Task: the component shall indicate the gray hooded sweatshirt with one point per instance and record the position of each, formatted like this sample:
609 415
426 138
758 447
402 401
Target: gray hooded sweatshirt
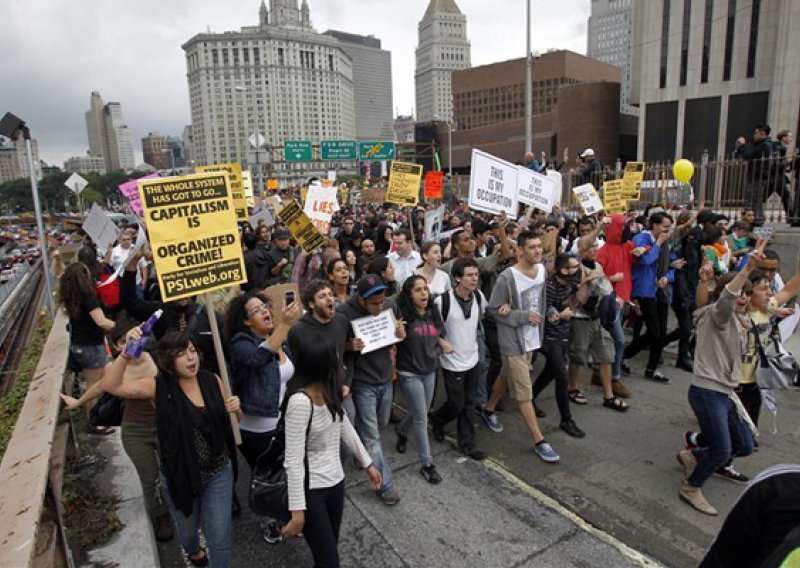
510 328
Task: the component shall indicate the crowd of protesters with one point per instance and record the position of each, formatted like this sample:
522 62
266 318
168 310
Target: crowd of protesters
474 308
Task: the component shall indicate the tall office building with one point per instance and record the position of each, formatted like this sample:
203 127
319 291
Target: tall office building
109 136
14 160
372 84
442 48
186 138
708 72
610 39
280 76
85 164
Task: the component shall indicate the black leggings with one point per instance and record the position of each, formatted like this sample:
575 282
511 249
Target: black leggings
324 508
253 445
555 368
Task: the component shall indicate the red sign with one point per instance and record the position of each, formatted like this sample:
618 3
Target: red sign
433 185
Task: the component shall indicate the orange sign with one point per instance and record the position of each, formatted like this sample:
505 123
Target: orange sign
433 185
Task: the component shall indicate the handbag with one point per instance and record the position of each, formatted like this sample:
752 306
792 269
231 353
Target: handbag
269 485
777 368
108 411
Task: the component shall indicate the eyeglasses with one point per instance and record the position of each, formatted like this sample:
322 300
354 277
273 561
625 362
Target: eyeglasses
264 307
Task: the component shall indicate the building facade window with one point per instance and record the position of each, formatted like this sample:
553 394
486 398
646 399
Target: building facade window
662 76
687 23
730 30
751 49
709 13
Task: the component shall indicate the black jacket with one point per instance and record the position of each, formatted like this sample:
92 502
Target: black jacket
755 154
374 368
256 264
309 330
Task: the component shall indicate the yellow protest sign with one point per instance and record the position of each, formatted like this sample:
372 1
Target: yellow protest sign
404 182
612 195
193 234
247 186
301 227
304 193
237 186
632 180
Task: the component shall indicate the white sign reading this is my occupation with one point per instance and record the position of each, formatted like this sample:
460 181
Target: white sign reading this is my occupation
536 189
376 331
492 184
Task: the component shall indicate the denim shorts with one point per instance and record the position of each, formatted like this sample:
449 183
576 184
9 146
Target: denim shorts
89 356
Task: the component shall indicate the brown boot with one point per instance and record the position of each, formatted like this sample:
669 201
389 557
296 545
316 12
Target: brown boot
620 389
162 525
694 497
688 461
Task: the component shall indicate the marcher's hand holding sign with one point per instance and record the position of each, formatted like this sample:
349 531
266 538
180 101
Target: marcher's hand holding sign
400 330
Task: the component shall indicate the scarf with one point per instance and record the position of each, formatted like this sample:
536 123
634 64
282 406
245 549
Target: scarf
174 426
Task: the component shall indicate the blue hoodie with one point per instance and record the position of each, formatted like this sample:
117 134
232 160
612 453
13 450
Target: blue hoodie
644 272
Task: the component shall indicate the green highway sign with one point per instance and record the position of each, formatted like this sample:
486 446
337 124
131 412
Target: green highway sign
297 150
375 151
338 149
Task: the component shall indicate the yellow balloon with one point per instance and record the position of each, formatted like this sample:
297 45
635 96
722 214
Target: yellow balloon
683 170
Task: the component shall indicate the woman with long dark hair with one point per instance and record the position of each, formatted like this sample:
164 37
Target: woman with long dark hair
339 278
383 268
88 325
417 362
195 442
314 404
384 237
260 370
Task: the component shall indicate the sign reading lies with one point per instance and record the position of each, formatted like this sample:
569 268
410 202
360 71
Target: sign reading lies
493 184
193 234
236 186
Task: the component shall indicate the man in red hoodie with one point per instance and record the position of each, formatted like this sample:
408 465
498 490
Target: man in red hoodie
615 258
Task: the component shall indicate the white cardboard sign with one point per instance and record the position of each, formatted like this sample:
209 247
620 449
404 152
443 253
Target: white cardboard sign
376 331
536 189
492 184
587 198
100 228
433 223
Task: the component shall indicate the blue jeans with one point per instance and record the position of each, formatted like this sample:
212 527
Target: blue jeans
418 390
373 407
214 504
726 435
618 335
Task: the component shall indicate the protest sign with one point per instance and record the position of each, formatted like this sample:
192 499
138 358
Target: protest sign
558 188
374 195
130 190
263 214
376 331
433 223
301 227
247 186
433 185
587 198
273 202
321 203
236 186
612 196
404 181
535 189
276 297
632 181
493 184
193 234
100 228
272 184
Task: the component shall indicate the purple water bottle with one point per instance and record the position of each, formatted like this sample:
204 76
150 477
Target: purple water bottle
133 350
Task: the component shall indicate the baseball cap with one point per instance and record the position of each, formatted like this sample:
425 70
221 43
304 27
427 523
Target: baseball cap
370 285
586 153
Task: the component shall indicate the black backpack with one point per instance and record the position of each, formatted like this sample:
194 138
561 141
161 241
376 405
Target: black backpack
446 303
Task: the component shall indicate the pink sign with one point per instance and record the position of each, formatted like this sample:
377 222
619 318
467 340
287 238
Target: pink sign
130 189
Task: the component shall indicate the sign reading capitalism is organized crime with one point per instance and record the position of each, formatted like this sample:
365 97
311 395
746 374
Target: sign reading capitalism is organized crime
193 234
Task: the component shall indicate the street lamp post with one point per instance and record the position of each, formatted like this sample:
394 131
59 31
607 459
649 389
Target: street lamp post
12 127
528 85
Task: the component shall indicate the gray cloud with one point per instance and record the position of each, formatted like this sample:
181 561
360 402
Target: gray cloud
56 52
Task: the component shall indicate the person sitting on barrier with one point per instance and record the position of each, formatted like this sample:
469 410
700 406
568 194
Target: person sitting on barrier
138 431
88 325
195 442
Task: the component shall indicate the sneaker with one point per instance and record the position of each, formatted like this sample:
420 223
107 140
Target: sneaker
688 461
437 429
271 532
390 497
402 444
546 452
572 429
474 453
694 497
492 421
620 389
732 475
656 376
690 439
430 474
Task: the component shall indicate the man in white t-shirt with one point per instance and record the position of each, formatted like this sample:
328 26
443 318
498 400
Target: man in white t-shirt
517 304
461 309
404 259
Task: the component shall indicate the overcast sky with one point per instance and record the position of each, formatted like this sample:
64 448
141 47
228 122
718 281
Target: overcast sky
54 53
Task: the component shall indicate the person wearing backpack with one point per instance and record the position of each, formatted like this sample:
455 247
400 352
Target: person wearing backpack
590 342
313 463
107 289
